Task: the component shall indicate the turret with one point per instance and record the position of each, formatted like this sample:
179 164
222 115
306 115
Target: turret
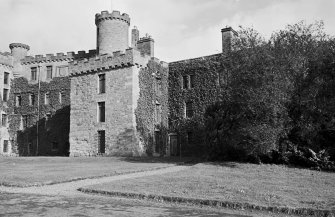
227 36
18 50
112 32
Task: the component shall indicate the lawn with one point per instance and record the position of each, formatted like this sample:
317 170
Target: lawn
25 171
263 185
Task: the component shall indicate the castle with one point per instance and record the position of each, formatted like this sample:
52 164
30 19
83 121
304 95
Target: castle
114 100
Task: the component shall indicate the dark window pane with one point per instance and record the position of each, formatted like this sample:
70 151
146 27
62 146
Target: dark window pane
49 72
101 113
5 146
33 73
6 78
101 141
192 80
189 109
102 83
5 95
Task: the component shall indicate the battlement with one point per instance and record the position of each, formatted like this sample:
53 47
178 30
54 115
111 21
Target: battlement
118 60
69 56
105 15
6 59
20 45
145 39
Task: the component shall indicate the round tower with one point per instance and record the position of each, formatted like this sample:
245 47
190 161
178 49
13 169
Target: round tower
112 32
18 50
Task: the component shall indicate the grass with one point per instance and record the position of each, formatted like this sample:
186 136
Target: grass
27 171
260 185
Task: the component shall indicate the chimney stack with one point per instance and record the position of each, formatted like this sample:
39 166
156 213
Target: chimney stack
227 35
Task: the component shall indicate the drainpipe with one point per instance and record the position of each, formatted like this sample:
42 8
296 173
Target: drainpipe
38 108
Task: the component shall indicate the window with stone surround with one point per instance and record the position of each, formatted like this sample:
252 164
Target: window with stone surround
102 83
47 98
4 120
101 111
188 109
33 74
31 99
5 95
5 146
24 121
6 78
188 81
18 100
49 72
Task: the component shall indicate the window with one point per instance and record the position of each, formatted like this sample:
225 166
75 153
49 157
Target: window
192 80
31 99
101 111
18 100
6 78
188 81
54 146
47 98
4 120
33 73
102 83
49 72
25 121
61 97
101 141
5 146
185 82
188 109
5 95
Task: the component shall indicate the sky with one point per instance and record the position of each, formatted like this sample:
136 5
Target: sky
181 29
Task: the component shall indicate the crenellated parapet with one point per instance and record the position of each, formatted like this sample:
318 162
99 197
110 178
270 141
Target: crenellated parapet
6 59
69 56
115 15
19 45
117 60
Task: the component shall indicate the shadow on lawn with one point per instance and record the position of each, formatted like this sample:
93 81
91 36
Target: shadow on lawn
172 160
223 164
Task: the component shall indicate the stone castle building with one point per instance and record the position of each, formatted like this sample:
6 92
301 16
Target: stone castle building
117 99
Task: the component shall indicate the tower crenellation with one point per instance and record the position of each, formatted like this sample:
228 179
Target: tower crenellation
112 31
19 50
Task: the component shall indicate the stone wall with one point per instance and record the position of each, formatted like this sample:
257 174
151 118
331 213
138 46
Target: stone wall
119 125
6 66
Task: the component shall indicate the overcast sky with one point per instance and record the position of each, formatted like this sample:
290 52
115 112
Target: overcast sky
181 28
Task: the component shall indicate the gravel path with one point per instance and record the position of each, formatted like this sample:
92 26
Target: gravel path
70 188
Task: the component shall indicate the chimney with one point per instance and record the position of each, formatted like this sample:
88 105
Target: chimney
146 46
135 36
227 35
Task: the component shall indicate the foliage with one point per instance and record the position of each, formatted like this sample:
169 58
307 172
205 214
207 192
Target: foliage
149 78
281 88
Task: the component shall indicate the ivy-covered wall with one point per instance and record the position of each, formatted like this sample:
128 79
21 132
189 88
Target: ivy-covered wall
53 117
206 90
152 108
